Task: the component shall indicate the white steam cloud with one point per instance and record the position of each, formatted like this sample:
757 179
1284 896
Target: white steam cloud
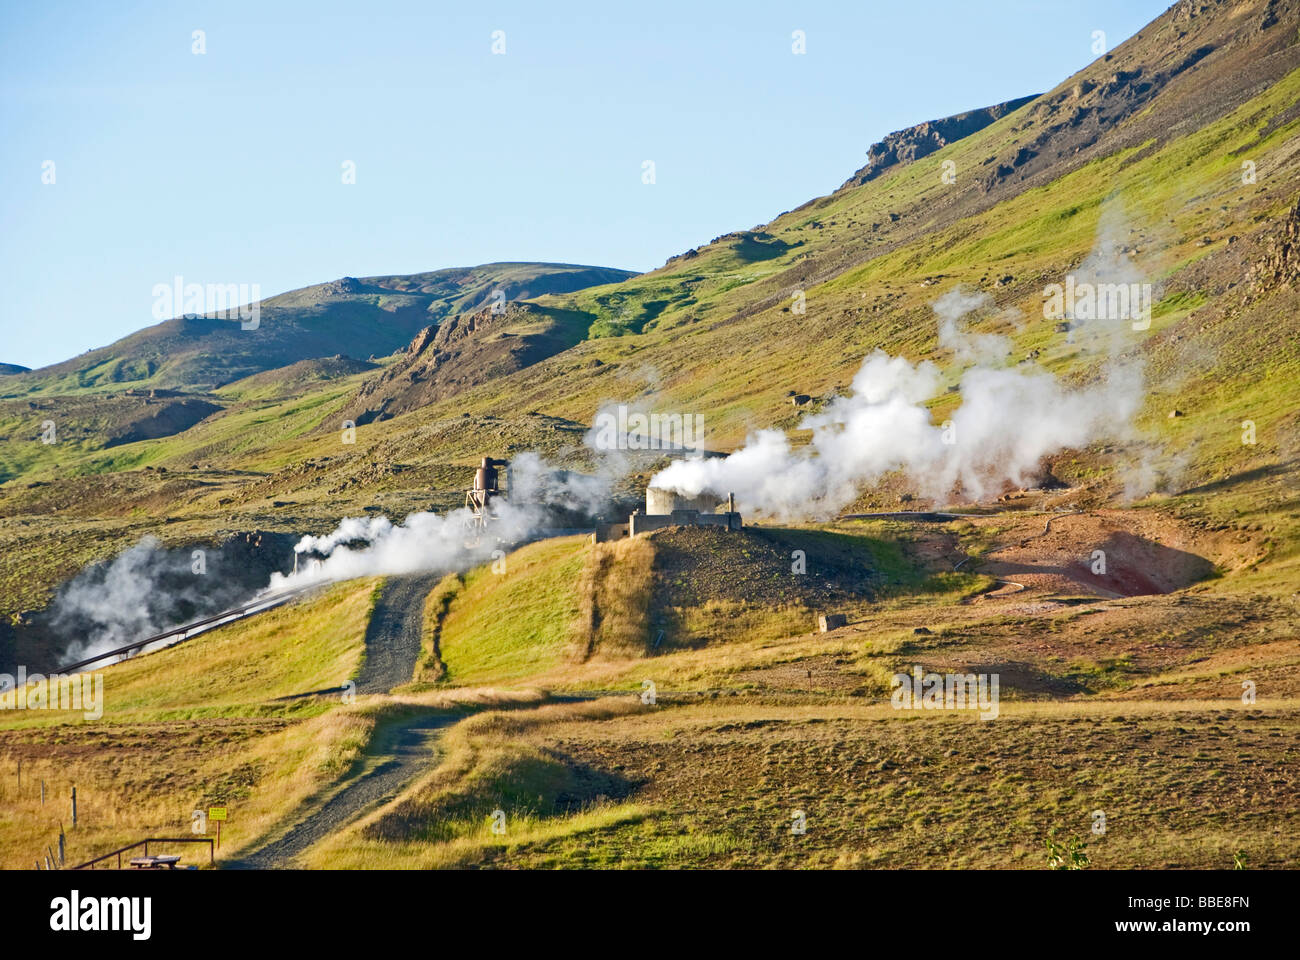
148 589
112 603
968 347
432 543
1009 421
144 590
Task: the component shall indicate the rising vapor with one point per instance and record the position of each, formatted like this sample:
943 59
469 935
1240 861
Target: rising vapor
442 543
1010 419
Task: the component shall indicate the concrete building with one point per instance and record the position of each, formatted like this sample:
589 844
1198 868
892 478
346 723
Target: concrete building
660 503
664 508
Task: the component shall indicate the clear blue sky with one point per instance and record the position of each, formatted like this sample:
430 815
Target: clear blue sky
226 167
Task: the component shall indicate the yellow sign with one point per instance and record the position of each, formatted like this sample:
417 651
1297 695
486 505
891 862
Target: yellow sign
216 813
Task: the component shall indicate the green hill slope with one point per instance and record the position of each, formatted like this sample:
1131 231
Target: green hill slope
355 317
1178 148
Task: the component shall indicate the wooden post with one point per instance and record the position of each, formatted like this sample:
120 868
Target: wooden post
61 847
42 793
74 808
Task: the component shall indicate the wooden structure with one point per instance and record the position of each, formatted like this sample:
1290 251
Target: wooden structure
160 861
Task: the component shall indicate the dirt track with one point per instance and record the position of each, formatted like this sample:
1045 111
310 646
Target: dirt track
393 636
407 749
400 752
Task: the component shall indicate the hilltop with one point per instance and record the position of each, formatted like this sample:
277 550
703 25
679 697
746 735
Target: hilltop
360 318
907 146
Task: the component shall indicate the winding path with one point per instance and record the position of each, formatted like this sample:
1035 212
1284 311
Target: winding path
408 749
399 752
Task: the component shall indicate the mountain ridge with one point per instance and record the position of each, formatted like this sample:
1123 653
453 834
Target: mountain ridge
915 142
361 318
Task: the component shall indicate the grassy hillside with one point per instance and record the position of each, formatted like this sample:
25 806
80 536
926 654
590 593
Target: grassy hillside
569 614
716 785
199 724
759 719
513 622
1164 691
750 726
725 302
870 259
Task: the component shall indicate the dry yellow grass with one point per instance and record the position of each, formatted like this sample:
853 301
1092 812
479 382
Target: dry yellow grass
489 762
614 593
194 726
145 780
721 775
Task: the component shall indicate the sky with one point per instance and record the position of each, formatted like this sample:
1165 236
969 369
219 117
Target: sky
228 165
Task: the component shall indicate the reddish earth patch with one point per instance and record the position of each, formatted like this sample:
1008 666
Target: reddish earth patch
1132 553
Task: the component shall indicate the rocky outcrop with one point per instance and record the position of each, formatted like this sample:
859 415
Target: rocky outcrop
464 350
1280 264
906 146
165 419
341 287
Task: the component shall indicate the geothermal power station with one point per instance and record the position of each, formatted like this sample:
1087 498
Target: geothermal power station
665 508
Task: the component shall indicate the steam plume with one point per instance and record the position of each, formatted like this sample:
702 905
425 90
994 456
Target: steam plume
143 590
1009 420
432 543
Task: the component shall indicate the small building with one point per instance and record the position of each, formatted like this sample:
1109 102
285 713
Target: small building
659 502
665 508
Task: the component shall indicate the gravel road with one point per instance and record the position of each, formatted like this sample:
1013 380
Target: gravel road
393 636
409 749
400 753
